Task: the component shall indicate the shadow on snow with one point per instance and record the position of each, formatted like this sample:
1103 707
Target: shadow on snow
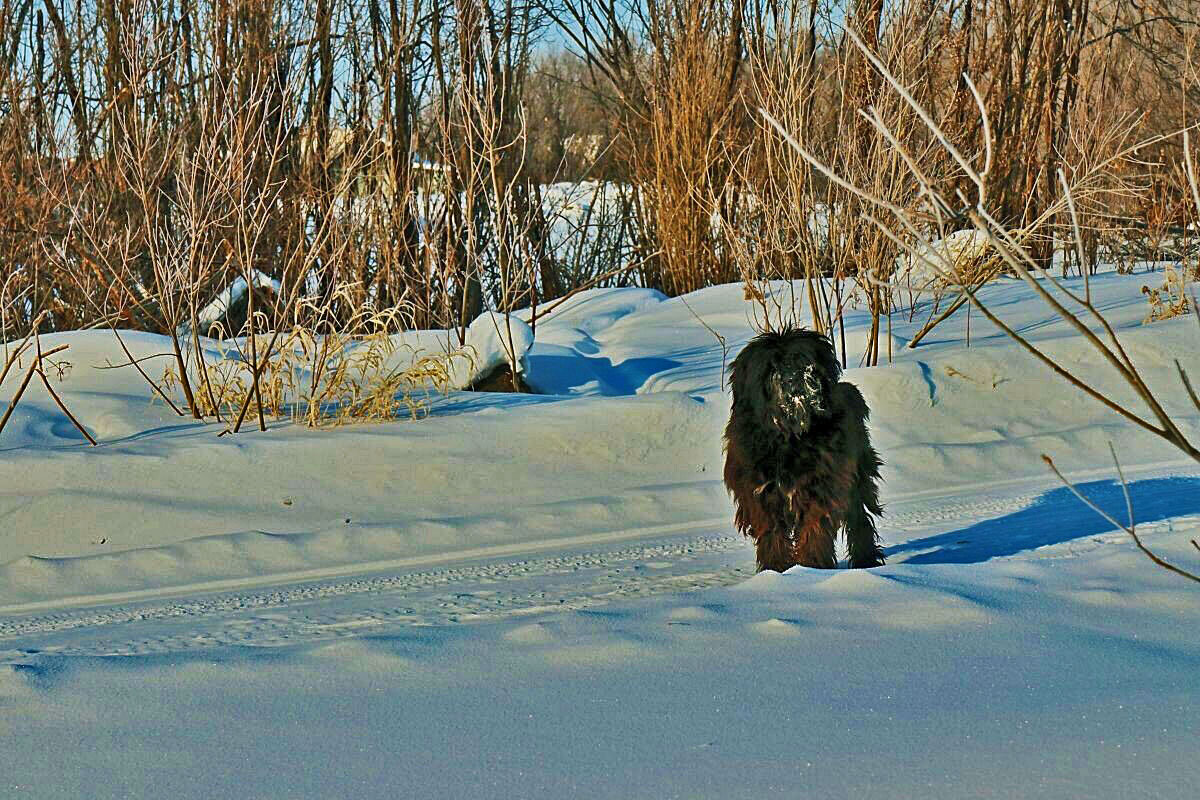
1057 516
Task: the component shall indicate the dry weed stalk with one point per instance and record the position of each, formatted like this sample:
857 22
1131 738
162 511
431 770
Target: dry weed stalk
1169 300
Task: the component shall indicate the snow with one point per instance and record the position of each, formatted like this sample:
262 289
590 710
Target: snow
542 595
494 340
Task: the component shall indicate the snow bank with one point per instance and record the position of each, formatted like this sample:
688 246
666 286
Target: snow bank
636 400
493 340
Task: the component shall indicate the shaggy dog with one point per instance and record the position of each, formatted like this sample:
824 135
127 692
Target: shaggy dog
798 460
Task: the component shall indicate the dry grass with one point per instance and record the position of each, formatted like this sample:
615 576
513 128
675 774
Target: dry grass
324 374
1169 300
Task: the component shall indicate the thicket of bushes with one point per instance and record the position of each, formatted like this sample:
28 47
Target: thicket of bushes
397 152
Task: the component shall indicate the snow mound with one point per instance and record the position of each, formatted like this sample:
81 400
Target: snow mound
493 340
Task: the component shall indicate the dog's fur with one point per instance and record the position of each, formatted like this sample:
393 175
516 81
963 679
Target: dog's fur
798 459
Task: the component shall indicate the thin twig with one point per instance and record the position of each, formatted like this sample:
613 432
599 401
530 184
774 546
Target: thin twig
1190 169
13 357
15 354
987 125
720 339
110 365
1083 270
1187 384
63 407
134 363
16 398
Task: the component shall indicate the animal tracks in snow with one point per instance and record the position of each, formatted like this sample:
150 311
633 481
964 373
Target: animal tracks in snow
575 575
331 609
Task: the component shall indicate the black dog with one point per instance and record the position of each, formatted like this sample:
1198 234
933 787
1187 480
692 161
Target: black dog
798 460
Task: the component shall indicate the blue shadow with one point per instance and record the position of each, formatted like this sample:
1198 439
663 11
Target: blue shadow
562 374
1057 516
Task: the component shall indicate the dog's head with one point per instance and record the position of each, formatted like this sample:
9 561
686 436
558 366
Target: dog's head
785 379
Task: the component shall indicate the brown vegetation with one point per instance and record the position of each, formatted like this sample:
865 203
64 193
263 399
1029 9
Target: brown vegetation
395 153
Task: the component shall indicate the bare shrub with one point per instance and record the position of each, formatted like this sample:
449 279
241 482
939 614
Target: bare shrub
803 226
433 127
674 69
911 231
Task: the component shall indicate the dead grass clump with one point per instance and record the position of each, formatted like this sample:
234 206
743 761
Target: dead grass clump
322 373
1169 300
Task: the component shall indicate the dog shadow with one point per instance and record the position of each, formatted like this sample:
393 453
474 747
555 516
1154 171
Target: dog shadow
1056 516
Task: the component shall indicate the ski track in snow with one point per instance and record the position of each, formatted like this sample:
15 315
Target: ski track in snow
290 614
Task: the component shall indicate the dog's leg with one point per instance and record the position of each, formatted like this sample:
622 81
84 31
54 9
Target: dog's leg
760 511
862 492
773 550
769 523
814 545
862 539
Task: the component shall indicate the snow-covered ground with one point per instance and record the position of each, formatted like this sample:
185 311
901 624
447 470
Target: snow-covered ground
542 595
